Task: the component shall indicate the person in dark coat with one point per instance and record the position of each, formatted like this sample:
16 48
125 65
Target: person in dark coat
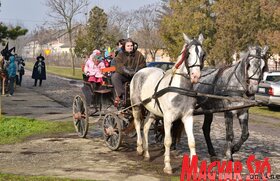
128 62
39 70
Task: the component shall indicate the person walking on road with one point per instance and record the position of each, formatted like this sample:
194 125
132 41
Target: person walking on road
12 74
20 65
39 70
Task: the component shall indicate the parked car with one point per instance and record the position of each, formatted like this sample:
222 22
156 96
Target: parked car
163 65
269 89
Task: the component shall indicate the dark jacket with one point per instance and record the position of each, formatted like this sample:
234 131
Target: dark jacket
39 70
129 63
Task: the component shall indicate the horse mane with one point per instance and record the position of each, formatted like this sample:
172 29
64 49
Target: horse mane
181 57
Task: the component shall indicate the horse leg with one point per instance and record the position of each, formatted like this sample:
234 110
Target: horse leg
229 134
208 119
136 111
188 124
243 118
146 136
167 143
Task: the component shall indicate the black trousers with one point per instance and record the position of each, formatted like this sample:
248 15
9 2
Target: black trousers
40 82
20 79
118 81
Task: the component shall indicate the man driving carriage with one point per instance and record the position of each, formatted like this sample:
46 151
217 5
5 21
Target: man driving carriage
128 62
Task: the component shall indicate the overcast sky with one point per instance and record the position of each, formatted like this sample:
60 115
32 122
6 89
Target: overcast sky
29 13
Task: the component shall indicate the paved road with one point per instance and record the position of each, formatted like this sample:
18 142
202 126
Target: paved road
53 101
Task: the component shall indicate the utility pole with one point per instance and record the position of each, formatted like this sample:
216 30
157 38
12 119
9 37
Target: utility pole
127 32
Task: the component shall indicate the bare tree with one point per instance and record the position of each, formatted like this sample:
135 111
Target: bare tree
148 35
121 21
64 11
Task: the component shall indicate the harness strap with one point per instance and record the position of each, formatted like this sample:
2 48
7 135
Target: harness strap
155 91
178 90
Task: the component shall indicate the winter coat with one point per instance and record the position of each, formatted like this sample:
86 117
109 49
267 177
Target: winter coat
94 70
39 70
12 70
129 63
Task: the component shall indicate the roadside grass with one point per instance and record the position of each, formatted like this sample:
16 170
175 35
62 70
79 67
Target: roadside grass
17 129
264 111
12 177
57 70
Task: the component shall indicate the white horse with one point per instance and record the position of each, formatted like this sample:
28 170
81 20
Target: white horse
170 105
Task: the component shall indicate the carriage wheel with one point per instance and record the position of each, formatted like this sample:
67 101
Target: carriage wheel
80 116
112 131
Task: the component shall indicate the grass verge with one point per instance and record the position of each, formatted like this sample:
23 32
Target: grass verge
264 111
17 129
61 71
11 177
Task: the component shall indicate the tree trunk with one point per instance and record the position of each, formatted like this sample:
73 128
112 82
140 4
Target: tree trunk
71 51
153 54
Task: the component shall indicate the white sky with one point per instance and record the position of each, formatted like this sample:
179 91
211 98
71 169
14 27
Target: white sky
30 13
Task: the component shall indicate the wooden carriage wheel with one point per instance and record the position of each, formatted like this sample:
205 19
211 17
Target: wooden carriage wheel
80 116
112 131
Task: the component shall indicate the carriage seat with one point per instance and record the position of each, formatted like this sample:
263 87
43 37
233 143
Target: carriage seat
103 88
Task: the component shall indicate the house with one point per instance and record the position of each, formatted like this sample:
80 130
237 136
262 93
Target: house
50 43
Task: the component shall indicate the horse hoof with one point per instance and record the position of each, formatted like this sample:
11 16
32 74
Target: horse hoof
214 158
147 159
140 151
167 171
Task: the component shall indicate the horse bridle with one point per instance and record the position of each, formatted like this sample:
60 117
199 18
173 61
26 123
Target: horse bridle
200 58
185 55
248 78
258 69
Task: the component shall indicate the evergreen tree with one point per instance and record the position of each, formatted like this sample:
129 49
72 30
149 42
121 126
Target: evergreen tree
95 35
269 33
186 16
228 26
10 33
237 22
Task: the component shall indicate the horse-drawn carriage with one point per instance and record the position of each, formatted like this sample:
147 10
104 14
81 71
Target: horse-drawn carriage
171 96
117 119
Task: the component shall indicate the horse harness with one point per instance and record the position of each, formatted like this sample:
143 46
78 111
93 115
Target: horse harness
244 93
184 58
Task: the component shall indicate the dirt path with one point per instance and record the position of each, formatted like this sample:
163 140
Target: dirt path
73 157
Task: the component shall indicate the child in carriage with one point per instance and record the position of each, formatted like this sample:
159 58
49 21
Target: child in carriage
93 68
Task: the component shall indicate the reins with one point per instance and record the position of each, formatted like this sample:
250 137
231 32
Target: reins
190 93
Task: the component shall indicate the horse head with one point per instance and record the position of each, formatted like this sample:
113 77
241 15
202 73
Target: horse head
255 66
193 57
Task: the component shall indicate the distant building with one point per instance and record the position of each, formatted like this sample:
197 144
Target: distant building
57 45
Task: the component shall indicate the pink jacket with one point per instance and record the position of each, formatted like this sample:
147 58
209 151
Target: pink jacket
93 70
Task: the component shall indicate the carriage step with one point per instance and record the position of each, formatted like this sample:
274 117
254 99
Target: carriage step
104 91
